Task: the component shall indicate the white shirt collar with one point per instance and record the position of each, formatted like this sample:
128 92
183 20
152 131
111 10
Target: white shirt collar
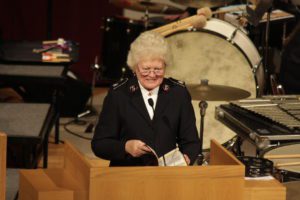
153 94
149 93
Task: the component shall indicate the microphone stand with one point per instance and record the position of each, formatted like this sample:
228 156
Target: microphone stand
202 105
90 109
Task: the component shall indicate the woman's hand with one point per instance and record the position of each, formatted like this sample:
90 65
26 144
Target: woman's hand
187 159
136 148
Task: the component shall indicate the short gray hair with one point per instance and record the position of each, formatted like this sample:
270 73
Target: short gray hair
149 45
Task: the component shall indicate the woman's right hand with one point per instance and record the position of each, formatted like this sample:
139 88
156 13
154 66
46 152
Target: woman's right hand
136 148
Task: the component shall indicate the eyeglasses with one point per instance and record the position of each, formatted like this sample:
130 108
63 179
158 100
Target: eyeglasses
147 71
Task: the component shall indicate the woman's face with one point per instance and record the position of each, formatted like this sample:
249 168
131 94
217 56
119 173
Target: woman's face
150 73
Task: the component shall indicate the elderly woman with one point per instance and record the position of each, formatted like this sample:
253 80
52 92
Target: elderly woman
147 110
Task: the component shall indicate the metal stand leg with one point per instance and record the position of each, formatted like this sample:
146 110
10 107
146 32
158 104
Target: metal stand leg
90 109
56 104
266 52
238 147
202 105
45 153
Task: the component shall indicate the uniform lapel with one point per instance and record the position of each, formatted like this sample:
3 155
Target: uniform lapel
138 101
162 100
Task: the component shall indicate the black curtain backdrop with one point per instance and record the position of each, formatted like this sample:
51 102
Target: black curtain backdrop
76 20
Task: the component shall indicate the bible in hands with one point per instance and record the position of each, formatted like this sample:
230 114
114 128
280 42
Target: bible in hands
172 158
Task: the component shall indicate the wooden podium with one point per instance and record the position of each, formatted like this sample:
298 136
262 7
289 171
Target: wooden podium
80 179
3 143
198 182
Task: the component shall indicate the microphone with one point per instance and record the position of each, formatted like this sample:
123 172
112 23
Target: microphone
151 103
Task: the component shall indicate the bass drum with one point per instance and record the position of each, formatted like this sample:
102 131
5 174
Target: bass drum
288 172
208 54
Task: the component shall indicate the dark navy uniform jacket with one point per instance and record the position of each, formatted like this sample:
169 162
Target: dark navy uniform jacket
124 117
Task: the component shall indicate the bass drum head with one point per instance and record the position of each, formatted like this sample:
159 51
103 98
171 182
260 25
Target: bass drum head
208 55
288 172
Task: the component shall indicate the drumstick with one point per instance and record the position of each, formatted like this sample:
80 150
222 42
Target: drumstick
175 29
196 21
50 42
179 25
287 164
282 156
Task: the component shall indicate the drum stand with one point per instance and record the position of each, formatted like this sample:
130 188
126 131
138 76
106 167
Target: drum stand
254 18
202 105
266 51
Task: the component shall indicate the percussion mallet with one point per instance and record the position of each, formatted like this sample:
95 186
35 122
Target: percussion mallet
195 21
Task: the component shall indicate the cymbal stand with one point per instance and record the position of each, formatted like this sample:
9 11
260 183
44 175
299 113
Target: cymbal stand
202 105
146 17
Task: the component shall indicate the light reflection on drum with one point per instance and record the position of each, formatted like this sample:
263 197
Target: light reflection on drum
206 54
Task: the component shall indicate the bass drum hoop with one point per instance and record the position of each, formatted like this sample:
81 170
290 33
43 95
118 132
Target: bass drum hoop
247 48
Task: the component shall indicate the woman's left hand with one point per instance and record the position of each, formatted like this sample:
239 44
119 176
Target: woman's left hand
187 159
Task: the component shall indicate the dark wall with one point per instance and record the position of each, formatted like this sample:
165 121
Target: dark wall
77 20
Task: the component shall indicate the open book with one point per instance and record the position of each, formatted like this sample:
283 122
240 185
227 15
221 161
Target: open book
172 158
